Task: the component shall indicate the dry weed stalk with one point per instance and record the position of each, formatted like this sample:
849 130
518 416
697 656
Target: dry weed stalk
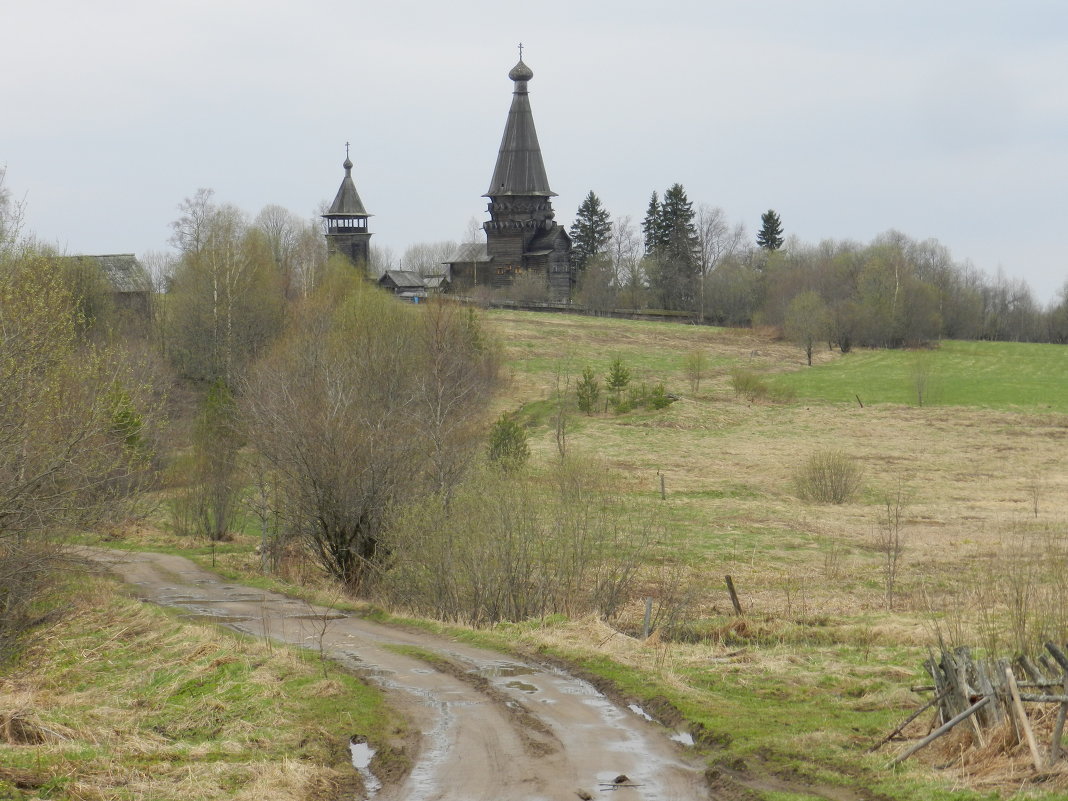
890 541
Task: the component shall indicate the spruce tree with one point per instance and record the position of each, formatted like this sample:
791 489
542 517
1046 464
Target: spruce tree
770 235
588 391
590 231
674 272
677 224
653 227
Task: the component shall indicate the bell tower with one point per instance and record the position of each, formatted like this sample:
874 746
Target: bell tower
346 222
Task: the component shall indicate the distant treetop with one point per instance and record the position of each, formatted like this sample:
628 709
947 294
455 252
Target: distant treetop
770 235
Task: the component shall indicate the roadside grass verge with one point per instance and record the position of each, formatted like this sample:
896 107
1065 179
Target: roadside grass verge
123 700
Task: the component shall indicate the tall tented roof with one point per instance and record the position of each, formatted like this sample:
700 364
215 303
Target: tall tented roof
347 203
520 169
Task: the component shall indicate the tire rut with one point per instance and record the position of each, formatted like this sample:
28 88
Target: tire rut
482 733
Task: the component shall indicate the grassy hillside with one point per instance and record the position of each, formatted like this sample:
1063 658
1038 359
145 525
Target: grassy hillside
823 662
821 665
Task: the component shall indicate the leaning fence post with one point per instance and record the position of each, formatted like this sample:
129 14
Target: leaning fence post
1025 724
734 596
648 618
1058 727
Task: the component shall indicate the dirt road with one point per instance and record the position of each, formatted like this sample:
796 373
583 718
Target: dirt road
492 729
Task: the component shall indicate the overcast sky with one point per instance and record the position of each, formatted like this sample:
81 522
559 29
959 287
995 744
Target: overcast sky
941 118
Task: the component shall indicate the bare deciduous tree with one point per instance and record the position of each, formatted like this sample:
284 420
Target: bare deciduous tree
365 403
190 229
716 241
283 231
427 258
625 251
12 215
226 302
455 373
806 322
890 540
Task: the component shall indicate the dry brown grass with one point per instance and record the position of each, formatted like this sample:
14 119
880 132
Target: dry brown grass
87 709
969 475
810 574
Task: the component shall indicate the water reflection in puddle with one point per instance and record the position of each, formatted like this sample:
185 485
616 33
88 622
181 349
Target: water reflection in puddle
637 710
683 737
362 754
505 671
522 686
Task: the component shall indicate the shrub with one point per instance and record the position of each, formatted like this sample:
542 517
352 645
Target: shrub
508 444
748 383
828 477
754 387
696 366
588 391
659 398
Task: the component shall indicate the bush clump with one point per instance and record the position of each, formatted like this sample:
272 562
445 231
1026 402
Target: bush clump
508 446
828 477
753 387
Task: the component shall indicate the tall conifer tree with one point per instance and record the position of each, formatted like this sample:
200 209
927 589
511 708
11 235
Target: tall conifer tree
673 268
653 226
590 232
770 235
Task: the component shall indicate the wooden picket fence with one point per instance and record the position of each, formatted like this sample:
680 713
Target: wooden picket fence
984 694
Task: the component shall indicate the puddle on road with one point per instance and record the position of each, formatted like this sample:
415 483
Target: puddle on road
317 618
351 660
637 710
188 599
683 737
207 617
522 686
362 753
504 671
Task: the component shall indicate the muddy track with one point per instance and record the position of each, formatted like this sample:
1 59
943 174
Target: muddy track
490 727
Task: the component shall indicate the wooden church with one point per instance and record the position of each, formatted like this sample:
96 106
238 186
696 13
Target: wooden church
522 237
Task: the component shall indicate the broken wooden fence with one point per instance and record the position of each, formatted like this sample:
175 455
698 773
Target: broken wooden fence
985 693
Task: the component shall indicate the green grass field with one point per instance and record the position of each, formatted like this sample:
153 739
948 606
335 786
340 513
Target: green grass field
822 666
990 375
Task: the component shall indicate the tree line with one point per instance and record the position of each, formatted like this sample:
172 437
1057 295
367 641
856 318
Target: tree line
891 292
